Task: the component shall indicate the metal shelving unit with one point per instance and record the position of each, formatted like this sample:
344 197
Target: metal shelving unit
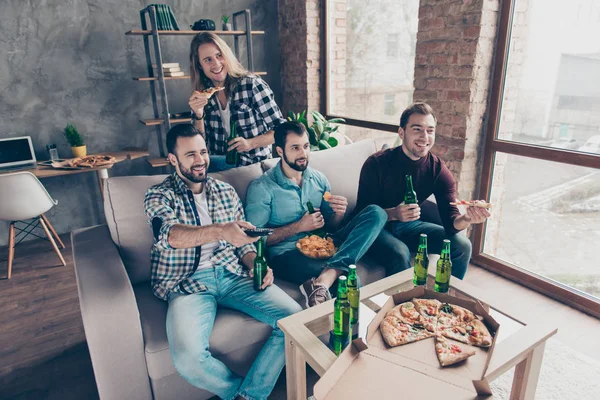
156 78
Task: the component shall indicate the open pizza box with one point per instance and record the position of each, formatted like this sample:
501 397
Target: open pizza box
369 368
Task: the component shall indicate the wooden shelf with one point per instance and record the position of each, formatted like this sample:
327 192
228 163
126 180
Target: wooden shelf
141 32
158 121
158 162
168 78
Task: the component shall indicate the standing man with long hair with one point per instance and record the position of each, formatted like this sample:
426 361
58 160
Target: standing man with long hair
247 101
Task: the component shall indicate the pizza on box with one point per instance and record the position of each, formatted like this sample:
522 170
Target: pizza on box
420 319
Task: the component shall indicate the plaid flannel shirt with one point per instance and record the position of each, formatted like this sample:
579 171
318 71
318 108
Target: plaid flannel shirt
255 112
172 202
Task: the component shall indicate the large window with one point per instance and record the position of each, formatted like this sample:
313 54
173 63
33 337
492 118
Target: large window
542 164
370 49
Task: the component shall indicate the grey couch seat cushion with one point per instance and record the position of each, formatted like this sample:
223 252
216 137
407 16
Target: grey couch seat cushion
233 331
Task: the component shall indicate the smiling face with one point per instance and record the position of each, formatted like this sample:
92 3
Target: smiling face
296 152
191 159
213 64
419 135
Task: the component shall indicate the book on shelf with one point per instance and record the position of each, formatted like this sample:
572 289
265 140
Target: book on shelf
167 65
174 69
171 74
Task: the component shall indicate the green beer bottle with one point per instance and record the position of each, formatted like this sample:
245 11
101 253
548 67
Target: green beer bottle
444 269
232 157
410 196
421 262
311 210
341 316
260 265
353 294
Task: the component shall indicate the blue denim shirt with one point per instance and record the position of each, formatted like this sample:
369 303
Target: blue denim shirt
273 201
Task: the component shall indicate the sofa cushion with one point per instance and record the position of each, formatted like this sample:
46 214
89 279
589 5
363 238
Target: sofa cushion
225 337
341 165
128 224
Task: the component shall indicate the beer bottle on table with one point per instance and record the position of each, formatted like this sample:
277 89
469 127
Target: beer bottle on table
421 262
410 196
444 269
260 265
353 294
311 210
341 316
232 156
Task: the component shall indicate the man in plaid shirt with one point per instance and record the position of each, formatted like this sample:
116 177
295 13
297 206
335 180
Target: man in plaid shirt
246 101
202 258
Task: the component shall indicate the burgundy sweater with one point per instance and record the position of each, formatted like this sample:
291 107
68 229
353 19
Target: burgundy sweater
382 182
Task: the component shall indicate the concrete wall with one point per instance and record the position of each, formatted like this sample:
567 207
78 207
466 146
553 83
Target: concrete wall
70 61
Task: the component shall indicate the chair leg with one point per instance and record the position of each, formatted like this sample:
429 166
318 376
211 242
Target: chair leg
11 247
60 242
51 239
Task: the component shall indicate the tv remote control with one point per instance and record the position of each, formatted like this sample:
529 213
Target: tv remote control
259 232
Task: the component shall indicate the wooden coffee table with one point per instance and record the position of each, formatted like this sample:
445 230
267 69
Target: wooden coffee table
519 343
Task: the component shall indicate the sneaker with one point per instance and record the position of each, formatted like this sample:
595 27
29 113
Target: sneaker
314 294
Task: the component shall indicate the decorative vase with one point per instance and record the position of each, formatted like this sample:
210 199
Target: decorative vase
79 151
227 27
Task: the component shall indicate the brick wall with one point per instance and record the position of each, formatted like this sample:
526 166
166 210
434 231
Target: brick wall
299 35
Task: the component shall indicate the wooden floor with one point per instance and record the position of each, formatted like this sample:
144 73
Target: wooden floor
43 354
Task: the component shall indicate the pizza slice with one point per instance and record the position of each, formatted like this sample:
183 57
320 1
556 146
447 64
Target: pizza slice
474 333
396 333
427 307
406 312
212 90
471 203
449 353
451 315
326 196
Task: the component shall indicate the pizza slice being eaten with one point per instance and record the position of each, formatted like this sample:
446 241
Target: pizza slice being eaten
212 90
449 353
471 203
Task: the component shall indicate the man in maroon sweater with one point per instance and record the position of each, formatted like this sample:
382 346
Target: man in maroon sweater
382 182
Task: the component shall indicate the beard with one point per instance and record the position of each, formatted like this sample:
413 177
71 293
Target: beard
189 174
293 165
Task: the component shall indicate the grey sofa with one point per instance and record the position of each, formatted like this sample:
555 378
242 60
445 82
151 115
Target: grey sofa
125 324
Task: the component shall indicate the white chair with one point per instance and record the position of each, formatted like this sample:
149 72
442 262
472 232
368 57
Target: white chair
23 197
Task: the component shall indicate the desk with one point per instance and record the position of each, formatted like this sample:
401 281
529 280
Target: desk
102 172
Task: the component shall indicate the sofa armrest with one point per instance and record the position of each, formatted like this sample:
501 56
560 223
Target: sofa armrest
110 316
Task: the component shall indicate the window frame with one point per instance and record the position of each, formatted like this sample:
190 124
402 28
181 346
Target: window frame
493 145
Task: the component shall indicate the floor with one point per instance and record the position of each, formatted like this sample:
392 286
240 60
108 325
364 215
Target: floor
44 354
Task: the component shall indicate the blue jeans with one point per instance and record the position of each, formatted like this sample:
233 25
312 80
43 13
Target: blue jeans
190 320
217 163
353 241
398 239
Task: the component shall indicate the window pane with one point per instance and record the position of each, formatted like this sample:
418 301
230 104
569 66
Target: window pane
546 219
381 138
552 88
371 48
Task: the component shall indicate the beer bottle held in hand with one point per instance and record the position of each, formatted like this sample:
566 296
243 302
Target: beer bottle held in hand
421 262
444 269
311 210
341 316
232 157
410 196
260 265
353 294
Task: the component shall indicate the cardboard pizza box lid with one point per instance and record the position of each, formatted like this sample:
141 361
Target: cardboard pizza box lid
415 361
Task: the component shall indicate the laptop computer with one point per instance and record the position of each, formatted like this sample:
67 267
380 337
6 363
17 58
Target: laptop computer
17 153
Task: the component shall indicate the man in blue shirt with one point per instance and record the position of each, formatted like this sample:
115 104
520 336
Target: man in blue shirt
278 200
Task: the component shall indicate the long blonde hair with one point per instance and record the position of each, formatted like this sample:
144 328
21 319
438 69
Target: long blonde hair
235 70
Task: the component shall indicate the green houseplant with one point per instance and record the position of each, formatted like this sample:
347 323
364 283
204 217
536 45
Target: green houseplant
226 24
319 133
75 141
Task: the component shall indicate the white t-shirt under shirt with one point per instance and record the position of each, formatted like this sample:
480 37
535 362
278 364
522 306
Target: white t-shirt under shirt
205 219
225 117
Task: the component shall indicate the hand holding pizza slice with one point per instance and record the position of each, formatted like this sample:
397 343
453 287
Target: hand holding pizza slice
472 203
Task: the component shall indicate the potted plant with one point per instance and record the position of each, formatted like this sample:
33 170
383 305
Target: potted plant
75 140
226 24
320 132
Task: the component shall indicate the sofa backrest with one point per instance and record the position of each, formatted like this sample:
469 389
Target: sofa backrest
129 229
124 198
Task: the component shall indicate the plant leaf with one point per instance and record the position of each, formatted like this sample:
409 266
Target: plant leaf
332 141
314 148
319 127
312 136
337 121
325 135
323 145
